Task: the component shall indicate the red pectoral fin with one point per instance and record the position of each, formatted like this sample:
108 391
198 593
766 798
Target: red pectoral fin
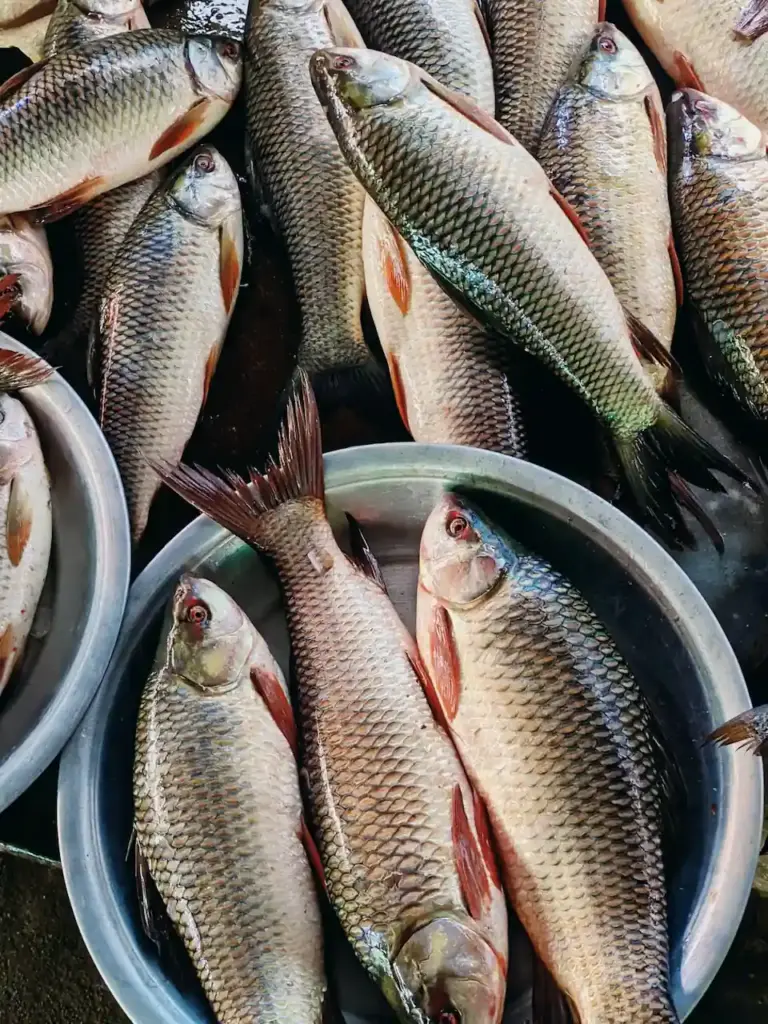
15 81
313 854
470 864
229 265
18 520
181 129
753 21
445 665
270 690
569 211
7 654
685 74
394 266
483 829
398 389
657 131
677 273
468 109
68 202
210 369
9 293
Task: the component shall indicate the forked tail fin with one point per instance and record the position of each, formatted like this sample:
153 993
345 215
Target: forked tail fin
19 370
658 460
749 730
241 506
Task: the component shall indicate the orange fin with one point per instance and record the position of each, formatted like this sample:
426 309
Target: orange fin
343 30
468 109
16 81
685 74
569 211
646 344
601 11
268 687
18 370
483 829
210 368
446 669
7 654
362 556
394 265
229 266
470 865
677 272
657 131
9 293
753 21
313 854
398 389
748 730
18 521
181 129
67 202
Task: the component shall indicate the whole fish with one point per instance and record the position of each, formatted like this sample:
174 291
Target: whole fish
75 22
534 46
25 510
481 215
24 256
715 47
448 373
748 730
218 814
167 300
313 197
447 38
719 193
604 148
555 734
106 113
406 856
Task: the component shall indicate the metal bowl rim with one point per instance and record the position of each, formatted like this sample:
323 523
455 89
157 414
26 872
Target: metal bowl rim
98 913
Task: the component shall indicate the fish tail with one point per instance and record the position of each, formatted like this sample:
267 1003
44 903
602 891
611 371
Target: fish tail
19 370
748 730
657 462
242 506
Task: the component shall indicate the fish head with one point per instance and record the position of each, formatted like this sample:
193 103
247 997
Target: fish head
462 557
24 251
211 639
205 187
451 975
358 79
17 443
216 66
613 67
700 126
127 13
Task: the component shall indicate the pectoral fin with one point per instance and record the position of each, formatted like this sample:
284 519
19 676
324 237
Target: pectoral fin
68 202
470 865
18 520
182 129
657 131
271 691
229 263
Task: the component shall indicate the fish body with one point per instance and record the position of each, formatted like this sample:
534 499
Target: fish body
218 814
164 311
534 46
25 530
407 862
448 372
604 148
555 734
75 22
719 193
108 112
24 252
314 198
700 45
482 216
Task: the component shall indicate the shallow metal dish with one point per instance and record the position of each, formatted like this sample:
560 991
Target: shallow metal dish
663 626
85 591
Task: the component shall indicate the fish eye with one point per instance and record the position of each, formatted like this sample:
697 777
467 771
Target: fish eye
456 525
204 163
198 613
230 50
448 1017
343 63
607 45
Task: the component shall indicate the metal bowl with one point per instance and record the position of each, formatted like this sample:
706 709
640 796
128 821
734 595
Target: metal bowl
662 624
84 595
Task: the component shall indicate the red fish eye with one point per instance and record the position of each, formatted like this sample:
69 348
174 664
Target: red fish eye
457 525
230 50
343 63
607 45
448 1017
204 163
198 613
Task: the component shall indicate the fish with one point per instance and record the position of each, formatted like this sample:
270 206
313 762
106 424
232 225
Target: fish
98 116
719 194
534 46
557 738
403 841
715 48
218 815
449 375
749 731
314 199
447 38
167 301
75 22
604 149
483 217
25 510
26 258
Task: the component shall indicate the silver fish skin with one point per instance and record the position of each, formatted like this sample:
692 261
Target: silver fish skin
164 311
75 22
218 814
108 112
25 530
24 253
